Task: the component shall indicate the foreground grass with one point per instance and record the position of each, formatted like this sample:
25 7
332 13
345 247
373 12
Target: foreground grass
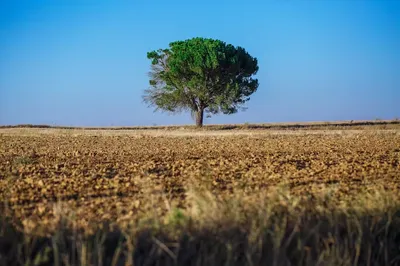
271 228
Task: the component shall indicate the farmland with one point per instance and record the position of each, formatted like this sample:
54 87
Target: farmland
224 189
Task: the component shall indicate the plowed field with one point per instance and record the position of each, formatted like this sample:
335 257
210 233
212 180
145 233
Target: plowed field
121 177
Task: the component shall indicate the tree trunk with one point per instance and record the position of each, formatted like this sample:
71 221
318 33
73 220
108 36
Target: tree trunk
199 117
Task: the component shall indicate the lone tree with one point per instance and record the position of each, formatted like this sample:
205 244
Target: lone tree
201 75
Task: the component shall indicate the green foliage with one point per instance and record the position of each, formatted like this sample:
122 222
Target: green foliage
176 217
25 160
201 75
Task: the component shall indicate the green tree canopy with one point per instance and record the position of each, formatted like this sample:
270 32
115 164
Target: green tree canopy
201 75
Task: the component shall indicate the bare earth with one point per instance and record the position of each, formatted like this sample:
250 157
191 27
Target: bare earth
122 175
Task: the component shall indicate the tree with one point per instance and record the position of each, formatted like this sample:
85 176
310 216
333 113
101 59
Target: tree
201 75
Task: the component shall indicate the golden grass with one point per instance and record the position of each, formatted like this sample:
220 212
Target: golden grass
377 124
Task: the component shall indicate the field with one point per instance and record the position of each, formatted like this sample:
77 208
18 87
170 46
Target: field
180 196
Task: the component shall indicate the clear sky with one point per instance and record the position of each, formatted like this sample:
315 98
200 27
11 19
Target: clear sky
83 63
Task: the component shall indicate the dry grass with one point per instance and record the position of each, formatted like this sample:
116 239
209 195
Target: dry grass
77 197
377 124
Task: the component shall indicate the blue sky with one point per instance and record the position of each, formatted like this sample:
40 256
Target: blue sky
83 63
